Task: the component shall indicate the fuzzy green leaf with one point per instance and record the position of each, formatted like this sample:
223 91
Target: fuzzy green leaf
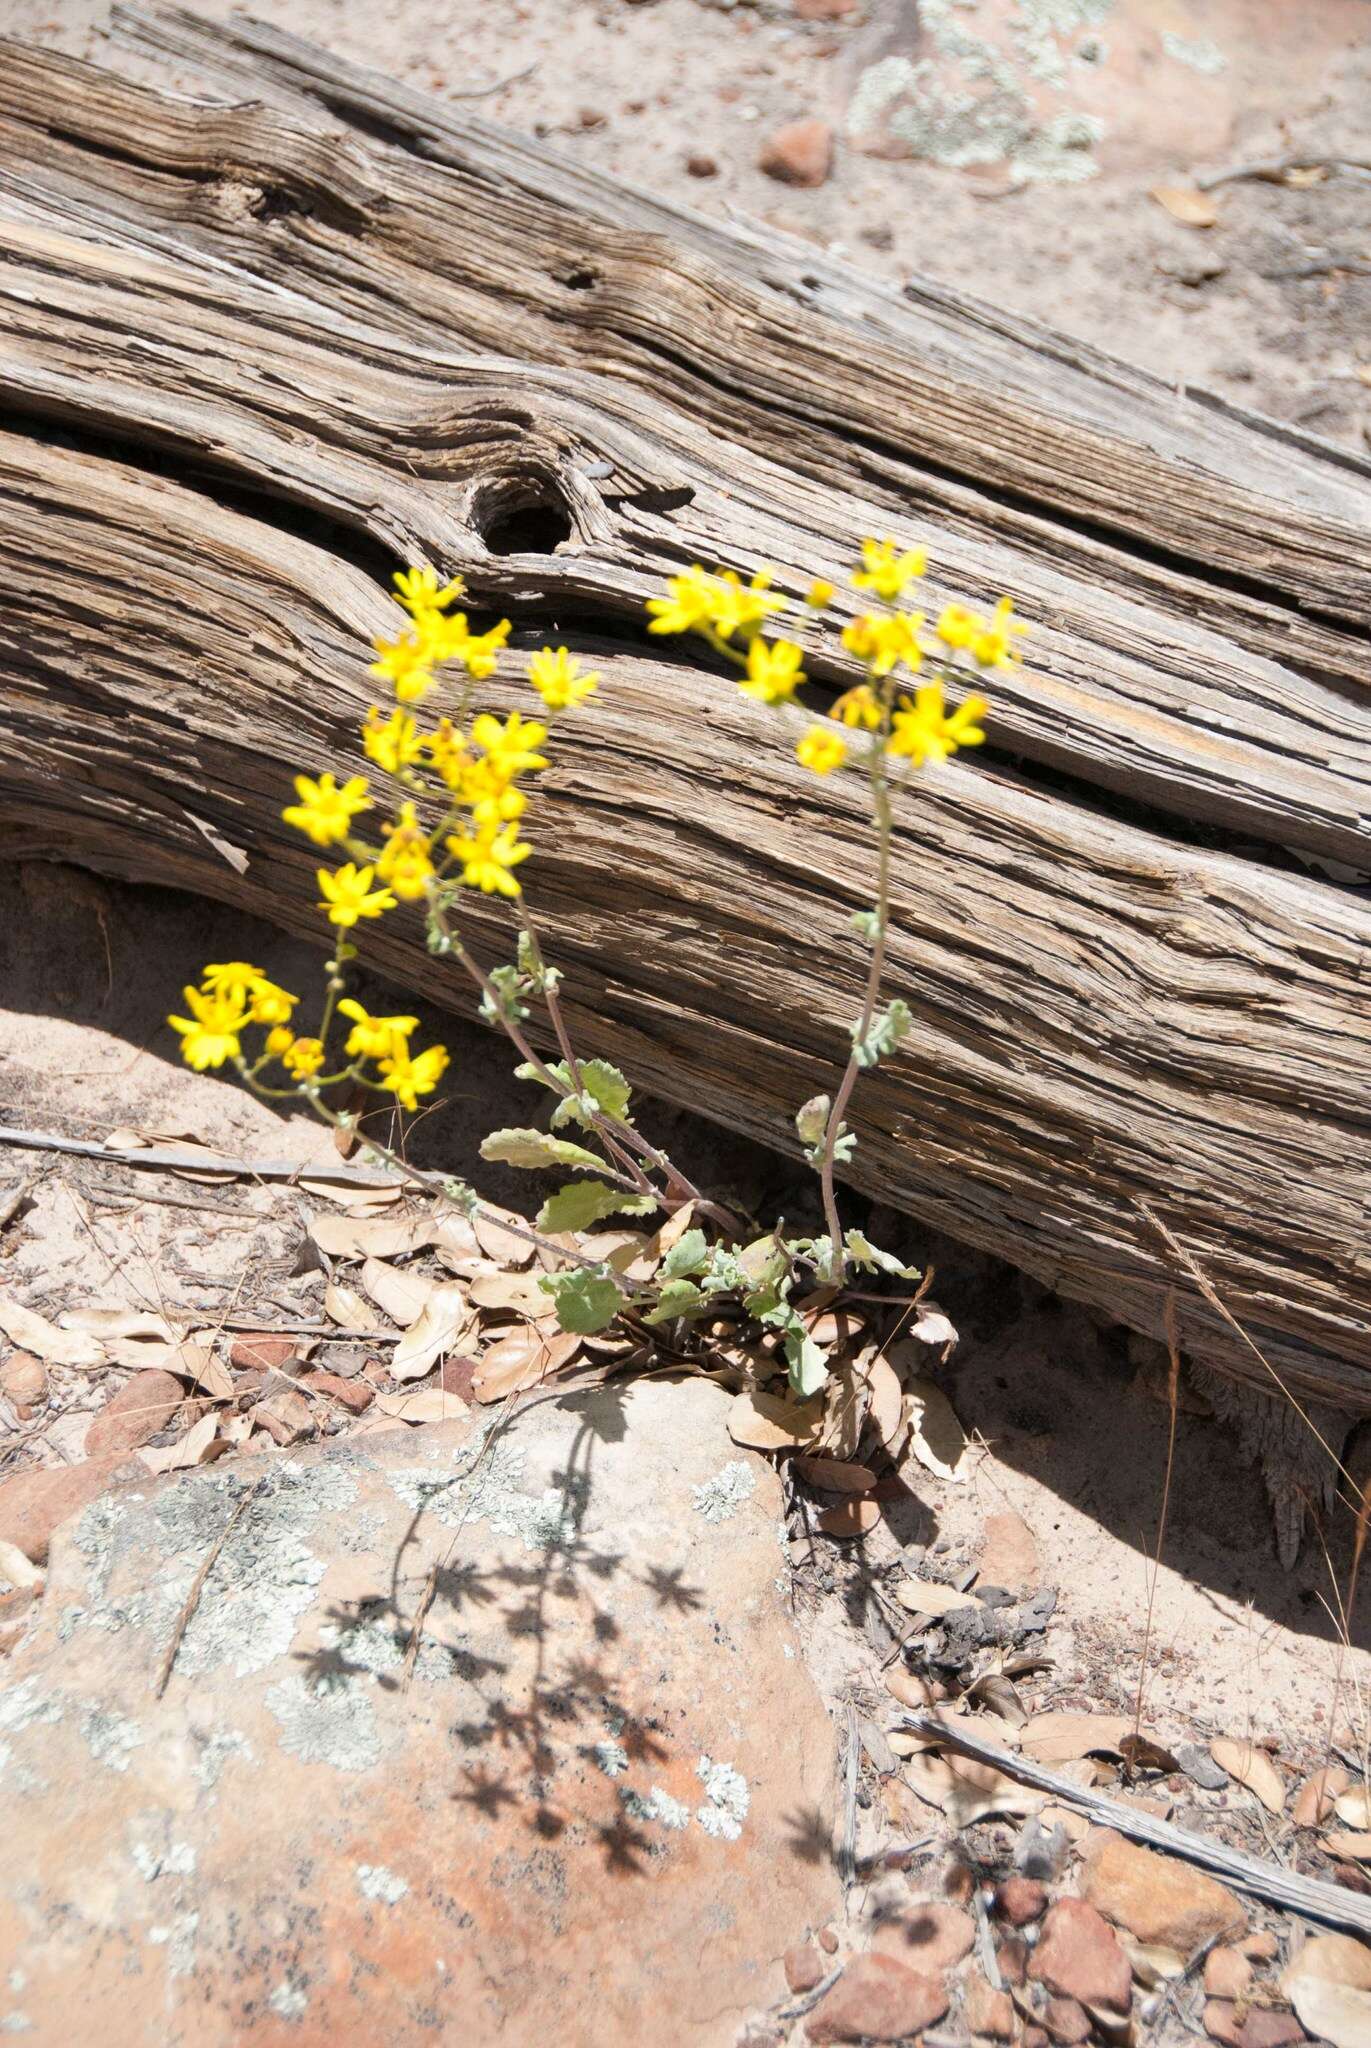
872 1257
582 1203
811 1120
884 1034
586 1302
536 1148
808 1363
689 1254
677 1298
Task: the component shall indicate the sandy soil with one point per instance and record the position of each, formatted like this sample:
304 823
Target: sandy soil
680 96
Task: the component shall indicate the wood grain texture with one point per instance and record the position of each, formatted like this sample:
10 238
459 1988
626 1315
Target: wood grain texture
255 353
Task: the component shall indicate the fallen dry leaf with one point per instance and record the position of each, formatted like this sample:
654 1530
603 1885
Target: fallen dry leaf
968 1792
118 1322
1314 1800
1354 1847
887 1411
456 1244
195 1362
16 1569
1183 203
502 1245
909 1689
202 1443
936 1437
1354 1808
519 1293
420 1404
835 1475
931 1326
357 1198
849 1518
45 1340
1059 1738
929 1596
376 1237
1251 1767
344 1305
1146 1755
441 1325
524 1359
767 1422
1152 1964
1329 1985
401 1294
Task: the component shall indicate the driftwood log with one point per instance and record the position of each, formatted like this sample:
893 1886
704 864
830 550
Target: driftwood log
260 346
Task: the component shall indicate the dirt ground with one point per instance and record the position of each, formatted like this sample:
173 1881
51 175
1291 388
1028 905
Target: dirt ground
1268 306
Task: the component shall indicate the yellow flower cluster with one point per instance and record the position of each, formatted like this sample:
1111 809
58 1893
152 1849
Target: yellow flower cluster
918 728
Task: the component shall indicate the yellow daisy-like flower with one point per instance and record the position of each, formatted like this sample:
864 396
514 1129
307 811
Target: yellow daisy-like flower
375 1038
325 810
886 570
405 864
304 1057
487 859
447 750
392 743
279 1041
773 671
233 979
406 664
419 591
477 652
821 750
993 646
957 625
348 894
491 798
819 595
884 640
270 1004
723 603
209 1036
556 676
925 731
408 1078
512 747
859 707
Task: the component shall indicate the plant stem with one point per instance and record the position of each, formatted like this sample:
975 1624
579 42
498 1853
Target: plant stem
880 801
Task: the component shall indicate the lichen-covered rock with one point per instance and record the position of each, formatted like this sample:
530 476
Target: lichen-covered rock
579 1805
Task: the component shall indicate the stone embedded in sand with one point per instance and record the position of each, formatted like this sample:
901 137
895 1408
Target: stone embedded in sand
1258 2027
142 1406
804 1967
1078 1957
1066 2021
1157 1898
1009 1555
583 1801
33 1504
1227 1973
877 1999
989 2013
800 153
1020 1900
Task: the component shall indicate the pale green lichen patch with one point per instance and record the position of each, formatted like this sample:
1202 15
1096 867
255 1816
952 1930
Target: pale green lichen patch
488 1488
1199 52
727 1802
658 1806
326 1722
374 1881
111 1738
722 1496
611 1758
290 2000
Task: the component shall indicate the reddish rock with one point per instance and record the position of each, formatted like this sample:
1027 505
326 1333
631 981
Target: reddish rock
1078 1957
931 1936
1020 1900
32 1504
286 1418
804 1967
1066 2021
1262 1947
455 1375
1009 1555
1012 1957
354 1395
828 1941
877 1999
800 153
24 1383
261 1350
1227 1973
989 2013
824 10
1034 2037
1259 2028
142 1406
699 165
1157 1898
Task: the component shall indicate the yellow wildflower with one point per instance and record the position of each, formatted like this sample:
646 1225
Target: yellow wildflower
992 646
773 671
860 706
556 676
325 811
408 1078
270 1004
886 571
883 640
279 1041
477 652
492 798
956 626
487 860
924 731
447 750
821 750
305 1057
232 979
819 595
722 603
392 743
375 1038
348 894
404 864
419 591
407 664
209 1036
510 748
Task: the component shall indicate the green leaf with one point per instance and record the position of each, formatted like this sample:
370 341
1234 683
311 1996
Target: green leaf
808 1363
725 1273
504 1006
811 1120
867 925
677 1298
532 964
884 1035
582 1203
536 1148
689 1254
586 1302
603 1088
871 1257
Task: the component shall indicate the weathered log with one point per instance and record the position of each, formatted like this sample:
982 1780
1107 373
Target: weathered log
255 354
